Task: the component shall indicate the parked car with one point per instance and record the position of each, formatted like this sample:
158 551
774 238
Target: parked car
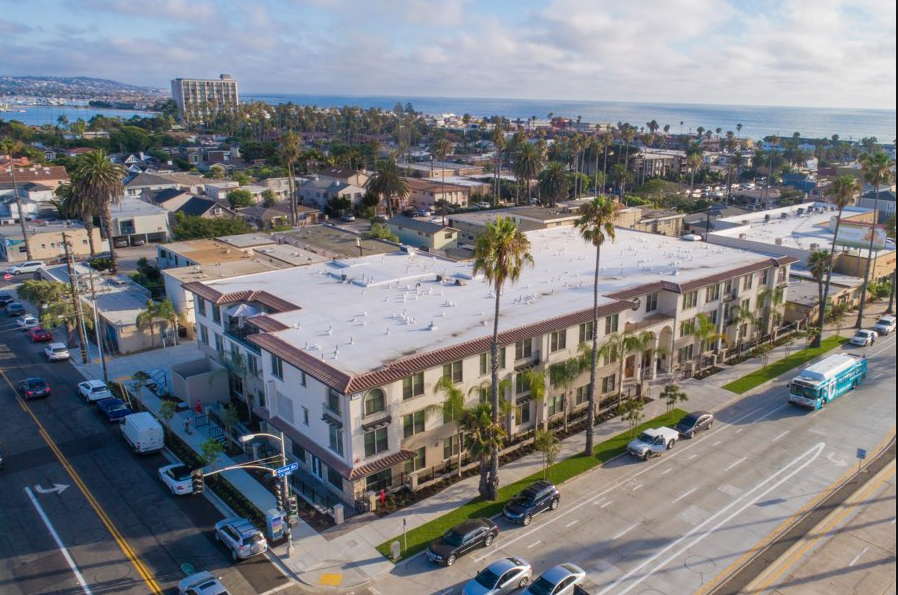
143 432
484 205
885 325
558 580
501 577
461 539
424 213
138 242
348 217
29 266
863 337
538 497
201 583
93 390
242 538
120 242
34 388
39 334
56 352
113 409
27 321
177 478
652 443
693 423
5 298
14 309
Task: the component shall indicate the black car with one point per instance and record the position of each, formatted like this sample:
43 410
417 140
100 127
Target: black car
5 298
461 539
693 423
539 497
34 388
14 309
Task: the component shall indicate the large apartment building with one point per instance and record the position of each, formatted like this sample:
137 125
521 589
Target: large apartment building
200 98
343 356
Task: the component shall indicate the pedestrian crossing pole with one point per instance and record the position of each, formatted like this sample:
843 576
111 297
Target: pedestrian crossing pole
76 301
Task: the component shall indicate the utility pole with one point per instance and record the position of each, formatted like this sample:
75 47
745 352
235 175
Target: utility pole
15 189
76 301
93 295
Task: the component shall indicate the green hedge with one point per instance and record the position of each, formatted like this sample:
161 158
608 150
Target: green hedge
420 537
759 377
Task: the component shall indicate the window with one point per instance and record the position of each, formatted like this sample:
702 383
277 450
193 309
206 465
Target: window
585 334
522 414
651 302
485 367
582 395
450 447
302 377
558 341
484 394
746 305
712 293
555 405
374 401
413 386
690 300
608 384
520 383
216 314
335 439
418 462
453 371
765 277
523 349
728 287
277 367
219 343
684 354
375 441
413 423
333 400
200 306
611 324
687 327
252 365
299 453
204 334
747 281
334 479
305 415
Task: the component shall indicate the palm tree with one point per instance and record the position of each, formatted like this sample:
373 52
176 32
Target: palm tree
641 343
564 374
877 171
528 162
705 335
99 183
693 161
74 204
843 190
452 409
741 316
536 384
614 349
290 150
441 150
500 253
483 437
500 143
596 224
819 263
388 183
10 147
554 183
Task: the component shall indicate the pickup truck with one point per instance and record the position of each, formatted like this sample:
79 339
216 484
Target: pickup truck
652 443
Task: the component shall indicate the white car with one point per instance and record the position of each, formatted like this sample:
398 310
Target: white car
558 580
27 321
56 352
863 337
29 266
177 478
93 390
201 583
885 325
653 442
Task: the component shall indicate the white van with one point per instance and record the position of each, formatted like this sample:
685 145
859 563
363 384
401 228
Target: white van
143 432
29 266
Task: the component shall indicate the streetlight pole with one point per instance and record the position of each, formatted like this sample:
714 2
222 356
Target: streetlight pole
247 437
76 300
93 295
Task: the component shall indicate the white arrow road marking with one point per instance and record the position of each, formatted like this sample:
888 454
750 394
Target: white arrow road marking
811 455
858 557
57 488
62 548
837 461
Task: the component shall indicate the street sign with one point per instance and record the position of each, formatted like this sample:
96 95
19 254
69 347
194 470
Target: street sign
7 277
861 454
286 469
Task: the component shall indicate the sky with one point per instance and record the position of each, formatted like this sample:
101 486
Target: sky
827 53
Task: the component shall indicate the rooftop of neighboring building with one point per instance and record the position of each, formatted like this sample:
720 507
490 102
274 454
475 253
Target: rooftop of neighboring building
119 299
416 225
205 251
407 303
248 240
34 173
333 242
220 270
287 255
200 205
134 207
432 185
38 226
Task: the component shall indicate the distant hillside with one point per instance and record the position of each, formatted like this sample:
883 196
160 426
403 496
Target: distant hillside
76 87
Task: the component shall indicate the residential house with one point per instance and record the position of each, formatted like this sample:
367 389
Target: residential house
46 241
423 234
51 176
134 220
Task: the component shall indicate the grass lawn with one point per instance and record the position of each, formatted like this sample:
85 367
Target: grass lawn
420 537
759 377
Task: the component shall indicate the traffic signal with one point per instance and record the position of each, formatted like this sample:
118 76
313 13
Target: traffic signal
279 494
196 478
293 506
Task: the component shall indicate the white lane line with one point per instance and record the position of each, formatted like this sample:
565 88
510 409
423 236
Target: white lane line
637 487
572 523
666 471
596 501
609 502
690 457
534 544
62 548
625 531
739 431
818 412
858 557
734 464
717 443
811 455
686 494
878 375
769 413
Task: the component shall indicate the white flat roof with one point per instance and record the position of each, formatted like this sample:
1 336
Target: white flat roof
385 307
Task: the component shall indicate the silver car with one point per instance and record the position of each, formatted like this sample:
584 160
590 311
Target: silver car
558 580
500 577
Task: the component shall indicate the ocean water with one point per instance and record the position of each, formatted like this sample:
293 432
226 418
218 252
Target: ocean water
757 121
38 115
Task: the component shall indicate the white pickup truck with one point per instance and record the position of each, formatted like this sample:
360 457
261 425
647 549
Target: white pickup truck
653 442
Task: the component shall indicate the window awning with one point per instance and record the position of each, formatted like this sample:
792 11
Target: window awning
330 420
377 423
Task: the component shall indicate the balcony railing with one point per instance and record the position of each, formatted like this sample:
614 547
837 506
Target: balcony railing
240 335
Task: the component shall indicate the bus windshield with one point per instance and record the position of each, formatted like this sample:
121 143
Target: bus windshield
802 390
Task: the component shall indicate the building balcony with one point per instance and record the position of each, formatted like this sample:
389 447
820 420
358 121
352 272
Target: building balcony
240 335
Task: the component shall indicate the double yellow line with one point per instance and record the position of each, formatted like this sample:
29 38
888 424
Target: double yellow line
129 552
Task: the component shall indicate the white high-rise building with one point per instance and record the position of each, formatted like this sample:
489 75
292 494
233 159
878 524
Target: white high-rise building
199 98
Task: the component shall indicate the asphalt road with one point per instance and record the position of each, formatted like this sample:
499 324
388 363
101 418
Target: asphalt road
141 536
669 526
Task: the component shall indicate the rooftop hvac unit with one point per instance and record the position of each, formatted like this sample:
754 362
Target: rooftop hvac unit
742 236
778 241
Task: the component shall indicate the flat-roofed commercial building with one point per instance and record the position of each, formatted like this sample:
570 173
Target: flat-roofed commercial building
199 98
343 355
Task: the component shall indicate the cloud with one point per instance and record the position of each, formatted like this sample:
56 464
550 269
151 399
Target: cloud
11 28
157 9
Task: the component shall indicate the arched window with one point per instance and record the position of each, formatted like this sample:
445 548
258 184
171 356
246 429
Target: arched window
375 401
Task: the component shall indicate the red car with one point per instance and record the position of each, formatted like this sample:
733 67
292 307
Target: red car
40 335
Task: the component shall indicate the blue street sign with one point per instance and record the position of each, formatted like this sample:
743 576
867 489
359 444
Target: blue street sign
286 469
861 454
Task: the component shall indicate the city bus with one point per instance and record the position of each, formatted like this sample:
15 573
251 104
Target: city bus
828 379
